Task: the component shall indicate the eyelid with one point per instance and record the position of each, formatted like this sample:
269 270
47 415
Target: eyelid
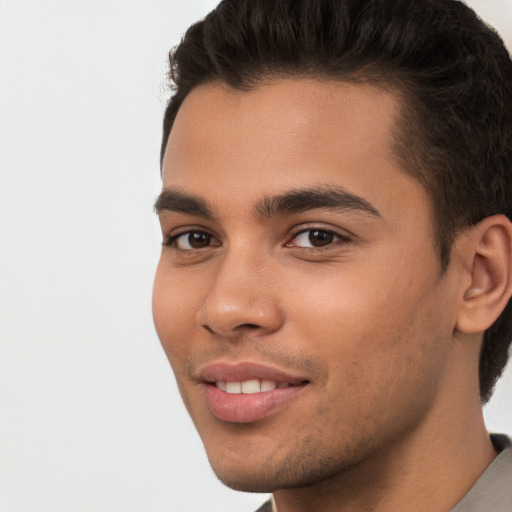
170 239
342 235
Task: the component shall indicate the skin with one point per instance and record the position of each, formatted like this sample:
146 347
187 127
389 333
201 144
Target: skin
392 397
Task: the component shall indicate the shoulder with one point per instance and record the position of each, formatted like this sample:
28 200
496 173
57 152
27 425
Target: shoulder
493 490
266 507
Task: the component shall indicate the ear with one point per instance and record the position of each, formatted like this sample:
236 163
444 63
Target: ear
487 255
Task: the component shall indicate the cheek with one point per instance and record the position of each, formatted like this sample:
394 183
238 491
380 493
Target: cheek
173 315
174 306
370 325
398 359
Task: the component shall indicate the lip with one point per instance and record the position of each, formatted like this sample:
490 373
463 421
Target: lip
235 372
247 408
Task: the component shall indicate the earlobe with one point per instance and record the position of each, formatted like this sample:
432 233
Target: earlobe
488 251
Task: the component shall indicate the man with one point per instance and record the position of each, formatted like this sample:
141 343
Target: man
333 290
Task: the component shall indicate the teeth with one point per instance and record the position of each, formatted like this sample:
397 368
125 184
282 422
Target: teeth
234 387
268 385
248 387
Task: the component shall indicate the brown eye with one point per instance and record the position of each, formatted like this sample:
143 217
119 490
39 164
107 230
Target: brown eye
193 240
316 238
319 238
198 240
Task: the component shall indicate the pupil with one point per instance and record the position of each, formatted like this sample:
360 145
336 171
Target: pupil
320 238
198 240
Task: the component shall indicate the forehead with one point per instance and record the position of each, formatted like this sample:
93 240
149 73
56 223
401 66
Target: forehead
290 133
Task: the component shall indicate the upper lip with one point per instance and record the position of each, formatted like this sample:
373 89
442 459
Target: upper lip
242 371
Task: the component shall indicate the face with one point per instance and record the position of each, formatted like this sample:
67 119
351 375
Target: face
298 296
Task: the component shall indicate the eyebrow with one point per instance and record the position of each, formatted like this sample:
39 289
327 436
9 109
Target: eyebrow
322 197
174 200
294 201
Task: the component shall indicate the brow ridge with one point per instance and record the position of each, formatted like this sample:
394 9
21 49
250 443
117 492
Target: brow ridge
321 197
294 201
175 200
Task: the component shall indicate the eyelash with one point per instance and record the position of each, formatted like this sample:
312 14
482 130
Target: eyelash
171 241
338 237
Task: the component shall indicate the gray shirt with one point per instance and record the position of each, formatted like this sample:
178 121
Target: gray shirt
492 492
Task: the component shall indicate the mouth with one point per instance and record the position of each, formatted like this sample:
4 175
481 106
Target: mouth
251 386
246 393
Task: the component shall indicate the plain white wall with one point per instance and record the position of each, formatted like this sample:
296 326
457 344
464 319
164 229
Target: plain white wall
90 419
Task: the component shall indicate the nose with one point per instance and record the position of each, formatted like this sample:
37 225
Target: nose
242 299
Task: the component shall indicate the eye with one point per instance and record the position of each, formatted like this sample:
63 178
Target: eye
192 240
311 238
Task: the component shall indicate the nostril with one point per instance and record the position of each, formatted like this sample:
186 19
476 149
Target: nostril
209 329
231 332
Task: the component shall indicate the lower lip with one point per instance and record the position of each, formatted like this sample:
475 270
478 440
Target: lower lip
240 408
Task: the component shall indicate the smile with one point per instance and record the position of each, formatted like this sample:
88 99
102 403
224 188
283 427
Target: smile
252 386
246 392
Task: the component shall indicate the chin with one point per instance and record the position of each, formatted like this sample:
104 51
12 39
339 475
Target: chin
249 477
250 483
269 476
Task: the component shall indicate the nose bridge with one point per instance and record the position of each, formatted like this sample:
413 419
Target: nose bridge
241 295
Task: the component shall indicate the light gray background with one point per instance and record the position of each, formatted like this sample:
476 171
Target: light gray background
90 419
